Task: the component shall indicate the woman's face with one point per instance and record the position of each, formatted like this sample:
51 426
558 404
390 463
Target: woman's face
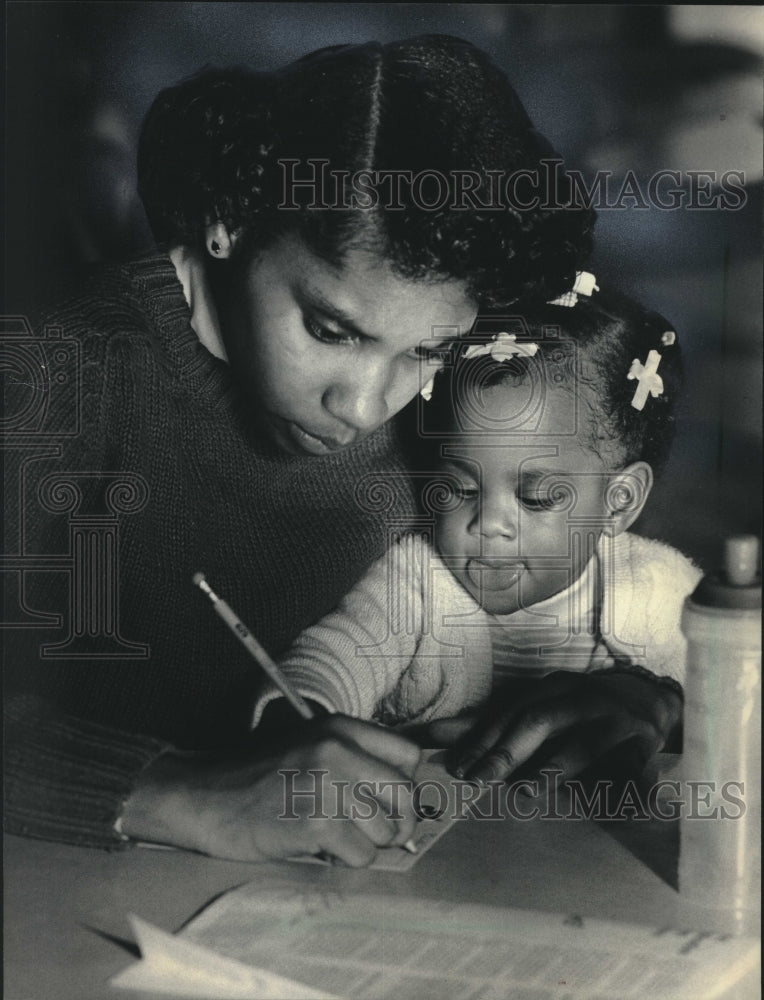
328 355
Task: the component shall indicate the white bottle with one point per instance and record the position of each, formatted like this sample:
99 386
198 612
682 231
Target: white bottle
720 852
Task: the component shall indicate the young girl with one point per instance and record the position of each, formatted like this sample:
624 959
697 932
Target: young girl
216 402
548 440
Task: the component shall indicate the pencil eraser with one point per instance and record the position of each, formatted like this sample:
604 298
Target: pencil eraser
198 579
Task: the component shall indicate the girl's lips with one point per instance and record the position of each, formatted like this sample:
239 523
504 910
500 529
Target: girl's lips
494 574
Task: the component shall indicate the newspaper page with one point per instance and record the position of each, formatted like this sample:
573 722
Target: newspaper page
402 948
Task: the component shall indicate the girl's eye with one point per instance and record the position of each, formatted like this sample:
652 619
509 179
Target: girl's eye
558 496
320 332
464 492
537 503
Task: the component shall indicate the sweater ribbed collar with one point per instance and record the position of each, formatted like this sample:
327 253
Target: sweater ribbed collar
211 380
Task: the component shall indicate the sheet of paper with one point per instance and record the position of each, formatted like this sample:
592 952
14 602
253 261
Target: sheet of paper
401 948
438 793
174 965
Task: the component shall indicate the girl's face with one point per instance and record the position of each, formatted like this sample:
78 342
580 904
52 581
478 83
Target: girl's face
530 505
328 355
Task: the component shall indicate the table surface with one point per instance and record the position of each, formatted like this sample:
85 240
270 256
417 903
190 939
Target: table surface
66 931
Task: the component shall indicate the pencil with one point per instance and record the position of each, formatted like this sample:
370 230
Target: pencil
256 651
254 648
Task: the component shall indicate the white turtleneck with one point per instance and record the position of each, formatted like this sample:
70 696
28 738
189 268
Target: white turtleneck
562 628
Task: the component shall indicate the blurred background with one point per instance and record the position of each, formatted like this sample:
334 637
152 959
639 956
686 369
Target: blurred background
615 87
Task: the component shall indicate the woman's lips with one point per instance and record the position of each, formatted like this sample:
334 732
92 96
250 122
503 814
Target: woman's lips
494 574
313 444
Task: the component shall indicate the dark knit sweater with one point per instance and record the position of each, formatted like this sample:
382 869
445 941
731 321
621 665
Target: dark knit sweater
282 538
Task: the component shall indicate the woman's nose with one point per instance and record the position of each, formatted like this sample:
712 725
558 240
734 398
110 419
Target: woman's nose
361 399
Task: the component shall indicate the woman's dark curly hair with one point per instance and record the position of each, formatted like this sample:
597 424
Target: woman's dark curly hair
587 349
214 148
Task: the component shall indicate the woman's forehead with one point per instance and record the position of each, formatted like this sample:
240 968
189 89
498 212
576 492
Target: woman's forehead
365 293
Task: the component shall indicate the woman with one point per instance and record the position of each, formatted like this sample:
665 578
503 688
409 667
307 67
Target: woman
323 232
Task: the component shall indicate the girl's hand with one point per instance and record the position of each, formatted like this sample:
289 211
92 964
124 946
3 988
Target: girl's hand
247 808
566 722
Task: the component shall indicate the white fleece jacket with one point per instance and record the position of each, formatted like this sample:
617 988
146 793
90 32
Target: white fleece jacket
409 643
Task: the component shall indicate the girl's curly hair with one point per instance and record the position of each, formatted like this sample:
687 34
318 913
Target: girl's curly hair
587 350
215 147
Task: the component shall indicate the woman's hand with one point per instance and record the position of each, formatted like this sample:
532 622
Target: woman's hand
247 808
565 722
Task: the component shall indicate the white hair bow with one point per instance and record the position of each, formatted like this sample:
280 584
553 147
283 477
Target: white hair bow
649 382
502 347
584 284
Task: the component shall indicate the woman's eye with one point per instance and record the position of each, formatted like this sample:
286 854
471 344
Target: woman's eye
324 334
433 356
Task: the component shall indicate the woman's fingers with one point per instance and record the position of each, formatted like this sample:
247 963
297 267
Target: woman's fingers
611 708
361 786
637 738
536 725
377 741
523 697
441 733
481 748
348 844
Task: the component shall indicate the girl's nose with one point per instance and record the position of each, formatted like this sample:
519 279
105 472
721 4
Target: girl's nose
497 518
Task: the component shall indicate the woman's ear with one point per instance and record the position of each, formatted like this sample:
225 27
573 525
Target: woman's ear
219 241
626 495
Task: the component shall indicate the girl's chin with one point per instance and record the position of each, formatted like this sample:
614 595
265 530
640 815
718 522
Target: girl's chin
494 606
493 602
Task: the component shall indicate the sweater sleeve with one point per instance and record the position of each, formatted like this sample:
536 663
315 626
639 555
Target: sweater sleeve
66 778
357 654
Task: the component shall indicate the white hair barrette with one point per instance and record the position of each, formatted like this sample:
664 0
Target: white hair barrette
584 284
426 391
649 381
502 347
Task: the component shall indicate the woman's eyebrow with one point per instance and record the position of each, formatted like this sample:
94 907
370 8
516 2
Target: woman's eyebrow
312 296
